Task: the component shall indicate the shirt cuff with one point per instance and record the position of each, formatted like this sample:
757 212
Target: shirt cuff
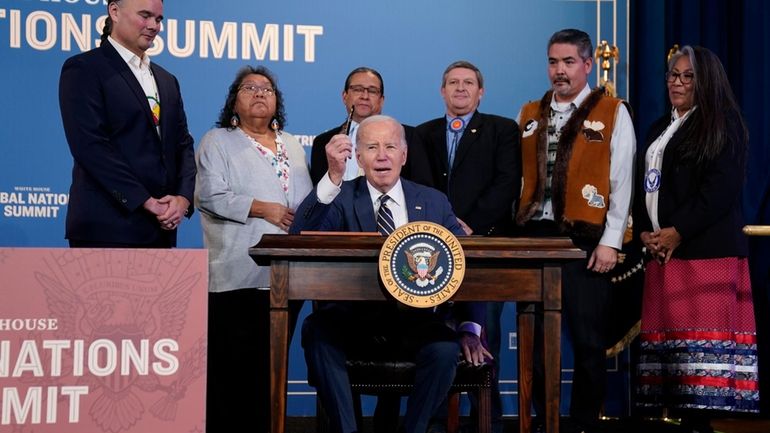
612 238
472 327
327 191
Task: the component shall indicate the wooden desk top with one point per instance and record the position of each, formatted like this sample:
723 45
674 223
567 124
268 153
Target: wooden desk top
366 246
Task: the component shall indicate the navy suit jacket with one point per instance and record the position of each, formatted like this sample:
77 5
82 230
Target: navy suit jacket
119 159
352 211
486 176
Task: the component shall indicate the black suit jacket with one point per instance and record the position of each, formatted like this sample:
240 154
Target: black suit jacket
702 200
119 159
486 176
318 163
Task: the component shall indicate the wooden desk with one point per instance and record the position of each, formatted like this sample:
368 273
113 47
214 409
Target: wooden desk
345 268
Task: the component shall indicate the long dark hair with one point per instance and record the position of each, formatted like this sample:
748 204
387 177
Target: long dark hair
721 122
228 111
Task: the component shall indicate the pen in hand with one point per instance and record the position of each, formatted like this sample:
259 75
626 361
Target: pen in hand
348 122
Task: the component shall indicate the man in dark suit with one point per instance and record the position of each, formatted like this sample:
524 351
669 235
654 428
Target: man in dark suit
337 330
475 159
472 157
364 92
134 164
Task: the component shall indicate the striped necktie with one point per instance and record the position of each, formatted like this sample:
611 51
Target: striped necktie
385 224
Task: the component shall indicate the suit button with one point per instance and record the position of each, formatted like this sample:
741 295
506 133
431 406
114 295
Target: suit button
124 201
443 174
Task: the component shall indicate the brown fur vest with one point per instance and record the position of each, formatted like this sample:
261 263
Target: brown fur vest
580 185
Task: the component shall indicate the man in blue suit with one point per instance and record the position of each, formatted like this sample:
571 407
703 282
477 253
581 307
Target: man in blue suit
338 330
134 164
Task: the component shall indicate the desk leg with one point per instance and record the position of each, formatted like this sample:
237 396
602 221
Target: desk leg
279 344
525 336
552 356
552 345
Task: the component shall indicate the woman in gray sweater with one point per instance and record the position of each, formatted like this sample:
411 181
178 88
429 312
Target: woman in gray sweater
251 177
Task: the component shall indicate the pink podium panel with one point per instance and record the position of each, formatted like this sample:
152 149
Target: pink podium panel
102 340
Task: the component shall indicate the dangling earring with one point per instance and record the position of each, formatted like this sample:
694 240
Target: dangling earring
234 121
274 124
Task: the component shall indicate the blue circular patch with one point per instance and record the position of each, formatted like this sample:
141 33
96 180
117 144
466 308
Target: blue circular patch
652 180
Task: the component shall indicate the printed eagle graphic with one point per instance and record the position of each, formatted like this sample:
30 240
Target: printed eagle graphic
422 265
116 315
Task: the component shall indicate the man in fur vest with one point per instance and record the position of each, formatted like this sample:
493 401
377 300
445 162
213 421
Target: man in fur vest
578 150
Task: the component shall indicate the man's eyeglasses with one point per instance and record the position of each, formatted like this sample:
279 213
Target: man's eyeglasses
684 78
255 90
359 90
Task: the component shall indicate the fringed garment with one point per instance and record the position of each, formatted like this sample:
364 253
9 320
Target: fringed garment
698 338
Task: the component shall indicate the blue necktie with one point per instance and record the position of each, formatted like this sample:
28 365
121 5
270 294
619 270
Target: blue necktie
453 148
385 224
456 126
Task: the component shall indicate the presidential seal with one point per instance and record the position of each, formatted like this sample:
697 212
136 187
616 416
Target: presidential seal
422 264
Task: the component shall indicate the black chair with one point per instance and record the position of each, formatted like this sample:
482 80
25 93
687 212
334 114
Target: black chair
380 378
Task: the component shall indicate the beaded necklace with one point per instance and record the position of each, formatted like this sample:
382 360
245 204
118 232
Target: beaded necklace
279 160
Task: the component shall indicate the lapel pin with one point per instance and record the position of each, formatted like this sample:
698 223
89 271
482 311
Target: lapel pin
473 131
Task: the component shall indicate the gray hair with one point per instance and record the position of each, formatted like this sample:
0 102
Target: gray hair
379 118
684 51
465 65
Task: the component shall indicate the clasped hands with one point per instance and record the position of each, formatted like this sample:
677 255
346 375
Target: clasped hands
168 210
278 215
661 243
275 213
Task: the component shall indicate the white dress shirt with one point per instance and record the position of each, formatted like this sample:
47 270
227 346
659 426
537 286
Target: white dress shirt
654 161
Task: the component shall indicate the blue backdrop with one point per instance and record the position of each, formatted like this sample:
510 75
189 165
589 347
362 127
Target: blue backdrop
310 46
